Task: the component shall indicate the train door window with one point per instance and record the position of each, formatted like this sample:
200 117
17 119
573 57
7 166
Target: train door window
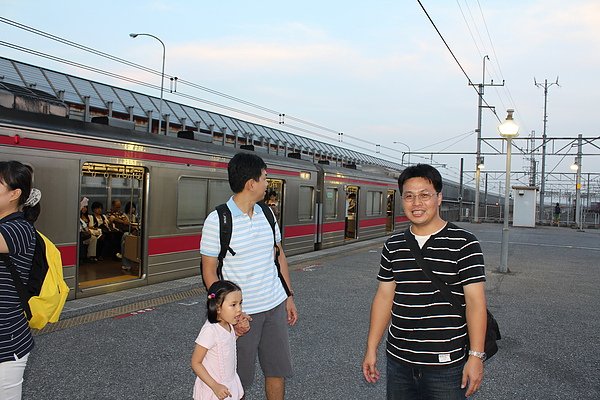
374 202
305 202
110 229
219 192
351 220
274 198
191 201
390 202
331 203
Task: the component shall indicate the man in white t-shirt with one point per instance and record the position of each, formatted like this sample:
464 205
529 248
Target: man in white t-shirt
253 269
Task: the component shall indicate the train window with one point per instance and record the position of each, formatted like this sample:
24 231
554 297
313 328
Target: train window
219 192
331 202
305 202
191 201
374 200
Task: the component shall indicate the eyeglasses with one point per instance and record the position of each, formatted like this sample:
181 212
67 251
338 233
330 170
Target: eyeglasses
412 197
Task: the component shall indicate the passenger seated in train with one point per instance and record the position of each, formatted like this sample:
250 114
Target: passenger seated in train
129 243
88 237
109 242
117 218
273 202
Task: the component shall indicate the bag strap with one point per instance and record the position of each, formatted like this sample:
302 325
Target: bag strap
19 285
271 218
424 265
225 232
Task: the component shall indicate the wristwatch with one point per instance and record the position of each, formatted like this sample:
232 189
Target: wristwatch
479 354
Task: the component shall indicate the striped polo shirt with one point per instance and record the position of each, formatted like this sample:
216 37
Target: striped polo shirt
253 266
15 336
426 330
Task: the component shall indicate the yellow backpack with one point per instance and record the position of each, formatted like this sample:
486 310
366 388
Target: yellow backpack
45 294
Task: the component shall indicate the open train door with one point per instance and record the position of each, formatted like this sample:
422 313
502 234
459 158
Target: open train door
110 224
391 201
351 212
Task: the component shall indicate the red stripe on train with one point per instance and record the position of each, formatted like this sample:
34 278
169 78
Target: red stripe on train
173 244
340 179
402 219
103 151
333 226
68 255
299 230
372 222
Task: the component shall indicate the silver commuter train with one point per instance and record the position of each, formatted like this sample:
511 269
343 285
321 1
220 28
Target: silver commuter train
174 183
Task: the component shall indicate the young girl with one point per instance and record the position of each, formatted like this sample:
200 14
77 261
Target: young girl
214 358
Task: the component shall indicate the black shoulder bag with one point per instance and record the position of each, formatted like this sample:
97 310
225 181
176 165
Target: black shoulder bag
492 332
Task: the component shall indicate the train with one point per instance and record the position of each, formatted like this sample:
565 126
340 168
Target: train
175 181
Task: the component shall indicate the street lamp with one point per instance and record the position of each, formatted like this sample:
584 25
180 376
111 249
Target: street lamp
162 77
403 153
508 130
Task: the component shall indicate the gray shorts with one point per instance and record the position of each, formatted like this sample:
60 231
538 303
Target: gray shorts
268 337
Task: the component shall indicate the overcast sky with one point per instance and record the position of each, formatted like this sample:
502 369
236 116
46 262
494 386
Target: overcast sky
377 71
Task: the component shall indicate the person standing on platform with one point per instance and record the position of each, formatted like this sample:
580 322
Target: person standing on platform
428 337
253 268
19 208
557 214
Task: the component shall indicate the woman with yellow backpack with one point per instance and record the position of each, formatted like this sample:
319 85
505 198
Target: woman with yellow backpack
18 203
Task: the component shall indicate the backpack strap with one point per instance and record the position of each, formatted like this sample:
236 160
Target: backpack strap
271 218
424 265
225 231
19 285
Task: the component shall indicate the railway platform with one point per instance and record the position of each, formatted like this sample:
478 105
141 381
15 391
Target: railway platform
136 344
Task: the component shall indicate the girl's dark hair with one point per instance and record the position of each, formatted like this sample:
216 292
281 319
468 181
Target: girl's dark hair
216 295
242 168
424 171
128 207
16 175
97 204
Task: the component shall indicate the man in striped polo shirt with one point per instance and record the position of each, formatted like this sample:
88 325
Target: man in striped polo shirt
427 338
253 269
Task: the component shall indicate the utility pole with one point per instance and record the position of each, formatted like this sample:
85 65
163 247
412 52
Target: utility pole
578 208
543 178
532 163
479 159
460 191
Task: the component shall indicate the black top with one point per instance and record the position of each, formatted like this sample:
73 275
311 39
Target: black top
426 330
15 336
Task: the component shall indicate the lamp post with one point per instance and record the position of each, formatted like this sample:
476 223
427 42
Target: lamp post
162 77
577 168
508 130
403 153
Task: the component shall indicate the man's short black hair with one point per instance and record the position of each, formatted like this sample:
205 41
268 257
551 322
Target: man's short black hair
424 171
242 168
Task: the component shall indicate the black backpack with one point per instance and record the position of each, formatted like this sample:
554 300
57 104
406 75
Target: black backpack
226 229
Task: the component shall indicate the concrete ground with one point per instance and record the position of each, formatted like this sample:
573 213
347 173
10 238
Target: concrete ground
547 308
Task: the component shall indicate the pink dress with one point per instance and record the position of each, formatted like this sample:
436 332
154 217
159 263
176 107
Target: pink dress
220 362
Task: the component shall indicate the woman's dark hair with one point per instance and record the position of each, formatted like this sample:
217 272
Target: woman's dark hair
97 204
128 207
424 171
216 295
16 175
242 168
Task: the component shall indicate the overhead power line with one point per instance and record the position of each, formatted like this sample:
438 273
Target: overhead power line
179 80
455 59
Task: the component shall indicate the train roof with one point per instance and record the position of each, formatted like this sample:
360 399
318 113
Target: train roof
70 127
86 97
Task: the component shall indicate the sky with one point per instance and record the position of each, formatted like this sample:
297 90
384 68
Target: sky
379 73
